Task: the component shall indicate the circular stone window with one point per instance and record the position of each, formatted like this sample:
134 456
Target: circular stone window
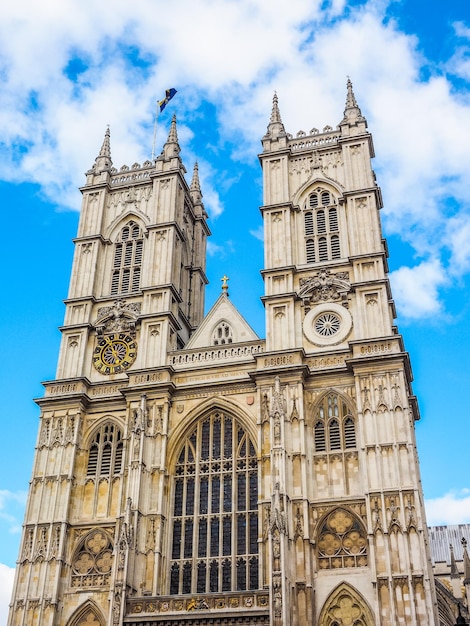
327 324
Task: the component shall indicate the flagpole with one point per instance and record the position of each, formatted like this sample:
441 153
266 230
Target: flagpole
169 93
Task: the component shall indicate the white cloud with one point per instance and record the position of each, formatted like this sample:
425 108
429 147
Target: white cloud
12 509
458 235
258 233
213 249
7 575
452 508
68 69
416 289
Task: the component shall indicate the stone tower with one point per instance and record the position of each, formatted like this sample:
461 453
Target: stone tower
189 472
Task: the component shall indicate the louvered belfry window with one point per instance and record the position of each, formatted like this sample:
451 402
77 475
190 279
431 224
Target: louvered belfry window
321 229
105 456
127 260
334 427
215 510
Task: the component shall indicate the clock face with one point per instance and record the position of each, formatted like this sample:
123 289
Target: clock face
114 353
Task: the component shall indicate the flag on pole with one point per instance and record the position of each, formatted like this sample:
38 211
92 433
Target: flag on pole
169 93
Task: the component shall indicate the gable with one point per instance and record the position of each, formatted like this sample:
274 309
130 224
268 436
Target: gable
223 325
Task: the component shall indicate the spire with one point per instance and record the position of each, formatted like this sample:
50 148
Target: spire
350 97
173 135
275 127
352 112
275 114
171 148
195 188
466 563
103 160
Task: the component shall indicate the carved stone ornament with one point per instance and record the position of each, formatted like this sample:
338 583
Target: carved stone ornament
121 317
324 287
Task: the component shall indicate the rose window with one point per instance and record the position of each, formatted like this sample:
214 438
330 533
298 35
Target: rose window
327 324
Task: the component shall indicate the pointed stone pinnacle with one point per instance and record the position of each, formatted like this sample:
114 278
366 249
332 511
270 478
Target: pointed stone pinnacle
173 135
352 112
454 572
275 114
195 184
106 147
466 563
350 97
195 187
171 148
275 127
103 160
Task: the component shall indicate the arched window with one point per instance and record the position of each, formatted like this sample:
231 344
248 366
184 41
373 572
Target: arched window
310 246
334 425
308 218
105 456
92 562
222 335
342 541
215 510
127 260
345 605
322 223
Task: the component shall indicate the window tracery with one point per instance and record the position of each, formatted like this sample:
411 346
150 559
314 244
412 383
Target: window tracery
92 563
215 517
346 606
321 227
223 334
127 260
106 450
342 541
334 427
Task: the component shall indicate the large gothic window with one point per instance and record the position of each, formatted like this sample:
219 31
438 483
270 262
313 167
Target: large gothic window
127 260
321 227
215 510
102 483
334 425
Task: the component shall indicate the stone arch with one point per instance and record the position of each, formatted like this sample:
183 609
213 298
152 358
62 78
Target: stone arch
95 427
333 409
352 410
181 430
213 489
223 333
121 220
92 561
341 540
88 614
319 181
345 606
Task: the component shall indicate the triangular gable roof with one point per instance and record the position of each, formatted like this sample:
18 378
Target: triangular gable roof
222 311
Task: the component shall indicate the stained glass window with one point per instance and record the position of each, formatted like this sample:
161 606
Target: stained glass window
215 510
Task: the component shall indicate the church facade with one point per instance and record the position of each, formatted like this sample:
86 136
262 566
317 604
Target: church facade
189 472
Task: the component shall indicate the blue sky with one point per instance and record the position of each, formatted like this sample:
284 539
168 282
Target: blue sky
69 68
